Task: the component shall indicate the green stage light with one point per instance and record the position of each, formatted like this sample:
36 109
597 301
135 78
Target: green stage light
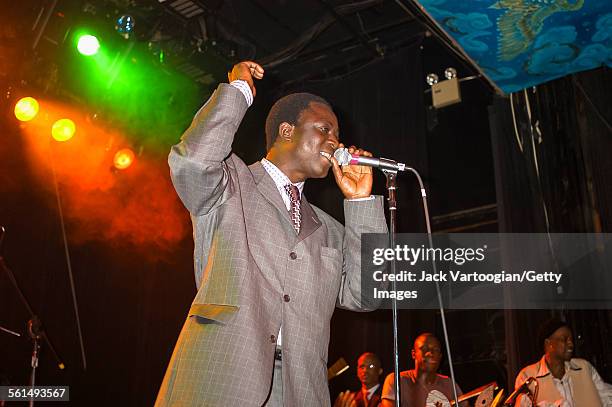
88 45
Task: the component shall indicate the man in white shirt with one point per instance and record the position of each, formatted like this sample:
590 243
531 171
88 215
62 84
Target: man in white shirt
558 380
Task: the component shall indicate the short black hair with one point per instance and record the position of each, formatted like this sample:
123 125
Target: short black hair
424 335
373 355
288 109
549 327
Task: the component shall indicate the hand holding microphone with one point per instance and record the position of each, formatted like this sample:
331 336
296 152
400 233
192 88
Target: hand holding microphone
353 163
345 156
355 181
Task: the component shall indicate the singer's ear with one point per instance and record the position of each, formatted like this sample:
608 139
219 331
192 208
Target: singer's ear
285 131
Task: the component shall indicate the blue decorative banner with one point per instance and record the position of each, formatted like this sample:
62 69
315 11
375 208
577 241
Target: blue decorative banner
522 43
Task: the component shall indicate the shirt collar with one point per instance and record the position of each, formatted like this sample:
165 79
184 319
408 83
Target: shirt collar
543 369
279 177
371 391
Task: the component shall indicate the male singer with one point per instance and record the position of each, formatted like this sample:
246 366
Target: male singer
269 266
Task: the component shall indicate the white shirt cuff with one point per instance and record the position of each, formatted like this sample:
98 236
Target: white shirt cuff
244 87
367 198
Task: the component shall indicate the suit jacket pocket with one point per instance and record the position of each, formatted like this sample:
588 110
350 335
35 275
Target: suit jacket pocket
331 261
334 254
222 313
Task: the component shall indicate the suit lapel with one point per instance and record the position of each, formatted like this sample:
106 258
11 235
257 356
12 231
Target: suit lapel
267 187
310 220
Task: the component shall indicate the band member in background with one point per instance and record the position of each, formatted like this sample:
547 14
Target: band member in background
269 266
416 384
368 372
561 380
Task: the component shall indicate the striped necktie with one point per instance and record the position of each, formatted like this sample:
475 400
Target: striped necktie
294 208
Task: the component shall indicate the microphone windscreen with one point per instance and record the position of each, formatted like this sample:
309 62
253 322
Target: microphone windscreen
343 156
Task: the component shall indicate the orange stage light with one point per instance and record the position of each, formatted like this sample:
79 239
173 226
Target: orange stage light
123 158
63 129
26 109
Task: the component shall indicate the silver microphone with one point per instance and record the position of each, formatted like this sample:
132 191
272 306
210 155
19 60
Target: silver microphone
523 388
343 157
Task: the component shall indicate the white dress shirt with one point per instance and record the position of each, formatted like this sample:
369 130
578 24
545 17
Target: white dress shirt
564 387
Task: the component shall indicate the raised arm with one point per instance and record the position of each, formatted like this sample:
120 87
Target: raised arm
197 164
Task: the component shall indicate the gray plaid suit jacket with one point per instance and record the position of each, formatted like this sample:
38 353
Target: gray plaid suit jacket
254 273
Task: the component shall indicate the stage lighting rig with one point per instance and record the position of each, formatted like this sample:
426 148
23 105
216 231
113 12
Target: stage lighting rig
447 92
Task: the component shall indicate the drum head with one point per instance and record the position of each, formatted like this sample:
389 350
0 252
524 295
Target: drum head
436 396
486 397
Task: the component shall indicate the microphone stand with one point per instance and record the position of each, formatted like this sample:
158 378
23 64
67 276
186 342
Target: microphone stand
390 169
8 331
391 176
35 329
35 332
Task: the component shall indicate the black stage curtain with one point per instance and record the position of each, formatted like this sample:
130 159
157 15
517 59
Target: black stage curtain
552 175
